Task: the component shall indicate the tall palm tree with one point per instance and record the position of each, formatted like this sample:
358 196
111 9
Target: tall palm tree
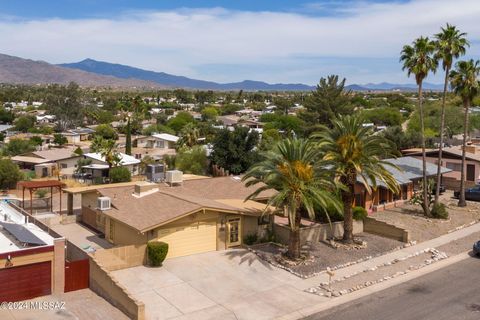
292 169
355 155
451 44
189 135
418 60
464 81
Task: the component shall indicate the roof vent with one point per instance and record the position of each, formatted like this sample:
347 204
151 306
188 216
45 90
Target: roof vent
174 177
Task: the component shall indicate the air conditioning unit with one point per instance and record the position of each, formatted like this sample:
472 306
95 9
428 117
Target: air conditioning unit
174 176
104 203
155 172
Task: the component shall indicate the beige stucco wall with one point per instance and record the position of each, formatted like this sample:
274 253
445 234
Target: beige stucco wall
386 230
315 233
123 234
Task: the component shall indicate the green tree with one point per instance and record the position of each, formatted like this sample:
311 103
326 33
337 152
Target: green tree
10 174
235 150
6 116
59 139
451 44
355 154
179 121
209 113
106 148
189 136
383 116
192 160
36 140
464 81
24 123
119 174
106 131
18 146
328 100
128 139
292 169
418 60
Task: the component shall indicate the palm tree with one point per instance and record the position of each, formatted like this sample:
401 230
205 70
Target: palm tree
292 169
418 60
451 44
464 81
355 155
189 135
106 148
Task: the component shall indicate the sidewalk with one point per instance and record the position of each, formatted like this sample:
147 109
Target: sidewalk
399 254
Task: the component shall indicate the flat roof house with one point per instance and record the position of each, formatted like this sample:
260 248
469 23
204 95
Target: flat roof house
197 216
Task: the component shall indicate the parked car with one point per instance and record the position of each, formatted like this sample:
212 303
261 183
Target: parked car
472 194
476 248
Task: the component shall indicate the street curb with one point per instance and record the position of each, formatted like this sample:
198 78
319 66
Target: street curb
305 312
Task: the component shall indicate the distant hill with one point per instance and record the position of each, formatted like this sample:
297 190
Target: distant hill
127 72
25 71
402 87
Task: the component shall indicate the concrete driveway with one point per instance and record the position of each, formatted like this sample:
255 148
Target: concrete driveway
232 284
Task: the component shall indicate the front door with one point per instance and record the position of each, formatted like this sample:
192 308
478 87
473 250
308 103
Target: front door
234 232
470 172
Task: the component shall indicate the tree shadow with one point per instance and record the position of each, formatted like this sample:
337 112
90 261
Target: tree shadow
246 256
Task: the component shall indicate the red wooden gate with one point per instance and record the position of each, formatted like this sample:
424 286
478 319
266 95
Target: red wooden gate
25 282
76 275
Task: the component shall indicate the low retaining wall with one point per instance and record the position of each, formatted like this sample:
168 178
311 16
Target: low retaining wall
386 230
102 282
389 205
315 233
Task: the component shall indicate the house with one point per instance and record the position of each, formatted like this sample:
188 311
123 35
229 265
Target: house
46 163
32 262
79 135
99 168
452 159
155 146
408 176
196 216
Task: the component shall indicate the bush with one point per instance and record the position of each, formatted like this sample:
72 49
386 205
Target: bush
120 174
250 239
157 252
359 213
439 211
10 174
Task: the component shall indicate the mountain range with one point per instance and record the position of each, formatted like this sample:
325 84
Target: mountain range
127 72
92 73
24 71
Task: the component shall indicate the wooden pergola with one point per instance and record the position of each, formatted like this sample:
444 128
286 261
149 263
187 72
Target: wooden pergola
33 186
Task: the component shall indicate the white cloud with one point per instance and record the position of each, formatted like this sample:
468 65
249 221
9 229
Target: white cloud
183 41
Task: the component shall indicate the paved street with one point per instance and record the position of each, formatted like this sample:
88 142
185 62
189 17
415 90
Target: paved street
449 293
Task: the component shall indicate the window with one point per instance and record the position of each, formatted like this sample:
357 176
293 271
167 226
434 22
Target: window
112 230
161 144
454 166
64 165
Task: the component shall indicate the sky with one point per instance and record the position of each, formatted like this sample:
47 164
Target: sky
276 41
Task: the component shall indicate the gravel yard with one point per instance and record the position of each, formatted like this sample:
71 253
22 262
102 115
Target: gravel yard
325 255
411 217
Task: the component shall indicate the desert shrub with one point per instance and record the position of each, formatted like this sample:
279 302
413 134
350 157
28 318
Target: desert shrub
359 213
157 252
120 174
439 211
250 239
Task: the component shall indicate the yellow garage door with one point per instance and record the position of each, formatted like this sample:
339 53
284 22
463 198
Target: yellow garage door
189 239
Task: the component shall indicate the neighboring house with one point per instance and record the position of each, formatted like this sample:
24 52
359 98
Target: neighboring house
44 119
99 167
155 146
47 139
77 136
197 216
409 178
32 263
452 159
46 163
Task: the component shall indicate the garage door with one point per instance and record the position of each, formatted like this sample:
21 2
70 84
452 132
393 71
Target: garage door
25 282
189 239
